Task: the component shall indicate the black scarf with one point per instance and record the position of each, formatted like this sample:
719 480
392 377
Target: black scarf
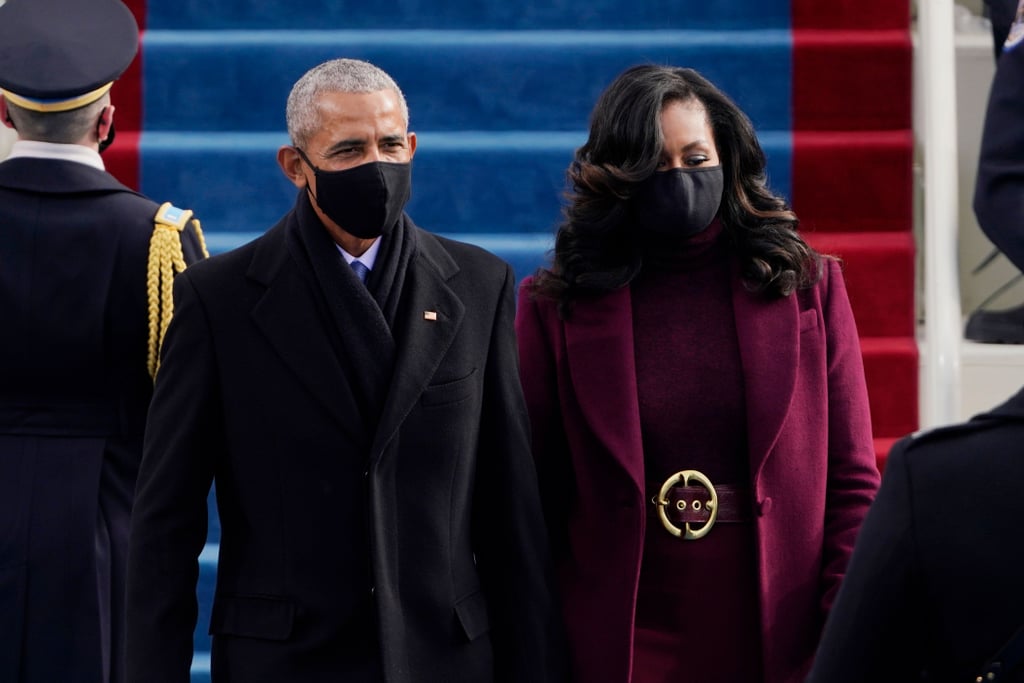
364 317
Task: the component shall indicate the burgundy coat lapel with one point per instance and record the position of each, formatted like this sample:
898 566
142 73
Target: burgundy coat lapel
599 337
769 343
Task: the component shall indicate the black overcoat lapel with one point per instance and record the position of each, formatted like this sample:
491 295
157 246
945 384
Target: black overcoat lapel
430 316
295 324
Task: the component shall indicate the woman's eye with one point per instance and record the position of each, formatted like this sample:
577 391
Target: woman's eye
696 161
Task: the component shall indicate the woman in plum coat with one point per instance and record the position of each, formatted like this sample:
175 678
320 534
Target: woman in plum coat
695 383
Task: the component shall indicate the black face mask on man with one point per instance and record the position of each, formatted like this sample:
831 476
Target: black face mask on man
365 201
679 202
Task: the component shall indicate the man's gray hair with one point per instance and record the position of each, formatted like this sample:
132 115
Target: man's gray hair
65 127
337 75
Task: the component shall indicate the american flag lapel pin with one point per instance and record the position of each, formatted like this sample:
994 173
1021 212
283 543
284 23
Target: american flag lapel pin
430 315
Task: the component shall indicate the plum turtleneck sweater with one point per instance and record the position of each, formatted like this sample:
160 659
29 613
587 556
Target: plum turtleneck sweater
697 615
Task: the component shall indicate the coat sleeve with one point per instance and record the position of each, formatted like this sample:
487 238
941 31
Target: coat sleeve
169 518
999 187
853 477
871 632
538 374
511 542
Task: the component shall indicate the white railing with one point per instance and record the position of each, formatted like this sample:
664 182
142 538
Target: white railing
940 396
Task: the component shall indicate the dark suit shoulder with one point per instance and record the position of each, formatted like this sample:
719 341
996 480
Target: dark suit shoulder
237 260
468 259
460 250
946 434
979 444
1007 413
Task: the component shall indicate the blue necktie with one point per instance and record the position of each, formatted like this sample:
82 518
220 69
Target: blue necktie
361 270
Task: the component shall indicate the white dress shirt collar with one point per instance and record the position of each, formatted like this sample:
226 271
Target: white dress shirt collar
61 152
368 258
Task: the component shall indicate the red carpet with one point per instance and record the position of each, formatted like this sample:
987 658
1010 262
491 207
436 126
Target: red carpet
852 182
122 158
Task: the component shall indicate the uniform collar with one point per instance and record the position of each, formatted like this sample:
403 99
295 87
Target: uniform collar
61 152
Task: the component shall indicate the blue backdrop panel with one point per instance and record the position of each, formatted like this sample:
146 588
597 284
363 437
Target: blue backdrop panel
531 14
453 80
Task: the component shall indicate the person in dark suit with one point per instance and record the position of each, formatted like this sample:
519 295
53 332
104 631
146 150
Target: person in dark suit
368 441
78 334
934 587
1002 14
999 186
695 384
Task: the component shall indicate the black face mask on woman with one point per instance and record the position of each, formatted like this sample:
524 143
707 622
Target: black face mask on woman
679 202
365 201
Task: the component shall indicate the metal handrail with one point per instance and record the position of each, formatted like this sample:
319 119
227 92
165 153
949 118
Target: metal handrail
940 396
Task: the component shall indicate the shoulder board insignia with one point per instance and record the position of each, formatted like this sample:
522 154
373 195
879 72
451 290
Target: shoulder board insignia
172 216
166 259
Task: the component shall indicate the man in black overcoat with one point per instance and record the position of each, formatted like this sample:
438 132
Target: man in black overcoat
75 340
368 440
934 588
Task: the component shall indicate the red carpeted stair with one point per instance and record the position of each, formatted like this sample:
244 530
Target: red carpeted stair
852 182
122 158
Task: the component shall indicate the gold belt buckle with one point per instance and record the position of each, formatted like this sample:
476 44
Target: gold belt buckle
686 476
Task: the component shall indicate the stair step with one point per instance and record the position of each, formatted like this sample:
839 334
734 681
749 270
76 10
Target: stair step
891 370
453 80
200 668
856 98
589 14
879 271
438 14
850 14
833 172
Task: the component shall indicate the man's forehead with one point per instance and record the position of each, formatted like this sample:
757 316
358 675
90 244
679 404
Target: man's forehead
378 100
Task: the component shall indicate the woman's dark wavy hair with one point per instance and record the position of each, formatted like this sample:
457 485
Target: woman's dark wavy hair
596 248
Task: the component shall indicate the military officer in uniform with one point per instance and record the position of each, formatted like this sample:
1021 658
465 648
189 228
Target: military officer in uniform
84 270
933 591
999 187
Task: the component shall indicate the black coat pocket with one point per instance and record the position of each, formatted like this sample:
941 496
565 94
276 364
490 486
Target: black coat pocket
252 616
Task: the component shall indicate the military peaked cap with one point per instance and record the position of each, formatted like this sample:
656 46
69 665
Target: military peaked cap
58 55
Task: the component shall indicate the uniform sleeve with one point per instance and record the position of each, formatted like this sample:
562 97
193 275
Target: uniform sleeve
870 633
999 187
853 477
169 518
511 541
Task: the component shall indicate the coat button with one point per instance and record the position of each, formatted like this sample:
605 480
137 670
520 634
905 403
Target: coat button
765 506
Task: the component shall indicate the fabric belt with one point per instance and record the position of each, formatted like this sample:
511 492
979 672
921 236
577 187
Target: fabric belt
689 504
